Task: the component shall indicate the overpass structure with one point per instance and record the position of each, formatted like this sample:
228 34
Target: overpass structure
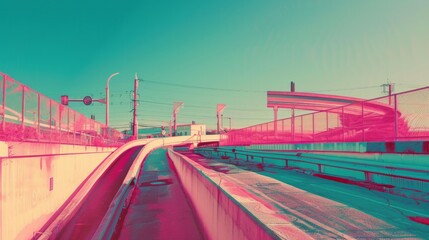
353 169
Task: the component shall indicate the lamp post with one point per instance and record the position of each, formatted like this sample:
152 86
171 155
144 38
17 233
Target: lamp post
107 98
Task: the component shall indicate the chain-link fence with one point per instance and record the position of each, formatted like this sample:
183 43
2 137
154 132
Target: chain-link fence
27 115
399 117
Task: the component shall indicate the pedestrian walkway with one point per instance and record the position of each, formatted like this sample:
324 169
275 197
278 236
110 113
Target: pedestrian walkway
159 208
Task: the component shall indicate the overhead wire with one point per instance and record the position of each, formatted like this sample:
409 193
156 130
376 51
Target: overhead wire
199 87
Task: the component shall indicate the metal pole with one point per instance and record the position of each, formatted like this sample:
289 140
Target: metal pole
60 119
23 108
68 125
314 136
107 98
302 128
135 130
292 89
275 119
292 125
230 124
363 127
4 103
174 123
38 115
342 123
74 128
50 120
396 116
218 122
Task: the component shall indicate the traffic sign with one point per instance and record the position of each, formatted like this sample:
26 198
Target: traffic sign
87 100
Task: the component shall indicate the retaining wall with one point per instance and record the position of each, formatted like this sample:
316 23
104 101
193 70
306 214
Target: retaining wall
37 178
221 215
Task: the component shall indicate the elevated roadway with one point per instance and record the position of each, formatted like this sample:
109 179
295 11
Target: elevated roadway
151 203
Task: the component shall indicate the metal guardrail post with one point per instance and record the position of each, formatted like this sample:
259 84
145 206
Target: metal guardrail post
368 176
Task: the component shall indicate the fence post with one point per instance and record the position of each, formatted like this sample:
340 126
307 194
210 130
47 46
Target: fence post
396 117
3 124
68 125
286 163
50 120
23 109
302 129
292 125
60 119
363 127
314 136
38 116
74 127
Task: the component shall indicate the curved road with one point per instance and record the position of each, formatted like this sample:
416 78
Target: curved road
86 220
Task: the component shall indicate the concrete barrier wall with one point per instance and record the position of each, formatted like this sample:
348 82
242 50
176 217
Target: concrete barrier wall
37 178
221 215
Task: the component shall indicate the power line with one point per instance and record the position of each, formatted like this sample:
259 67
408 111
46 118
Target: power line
344 89
200 87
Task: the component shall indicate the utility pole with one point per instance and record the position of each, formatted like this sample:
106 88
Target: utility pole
388 89
135 123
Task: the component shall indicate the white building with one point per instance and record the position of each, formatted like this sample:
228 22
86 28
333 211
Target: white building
191 129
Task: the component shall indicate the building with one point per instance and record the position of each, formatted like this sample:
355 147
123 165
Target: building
182 130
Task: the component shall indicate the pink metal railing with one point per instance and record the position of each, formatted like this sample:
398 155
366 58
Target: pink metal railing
400 117
26 115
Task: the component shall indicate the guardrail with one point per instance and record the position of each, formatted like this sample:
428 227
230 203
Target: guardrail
388 176
27 115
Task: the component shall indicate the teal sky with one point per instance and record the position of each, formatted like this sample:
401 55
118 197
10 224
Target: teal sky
71 47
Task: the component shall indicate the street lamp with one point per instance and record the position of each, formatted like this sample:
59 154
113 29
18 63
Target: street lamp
107 98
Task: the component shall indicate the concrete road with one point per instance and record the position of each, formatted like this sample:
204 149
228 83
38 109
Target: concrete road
159 208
